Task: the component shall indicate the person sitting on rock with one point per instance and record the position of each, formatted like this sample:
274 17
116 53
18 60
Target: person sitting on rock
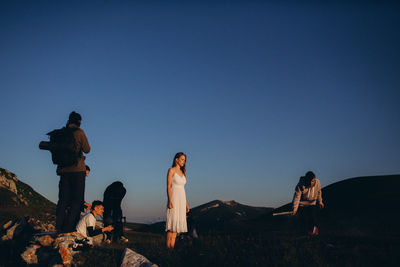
86 225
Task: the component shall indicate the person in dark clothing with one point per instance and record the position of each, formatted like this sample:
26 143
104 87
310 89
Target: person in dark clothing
72 180
192 229
85 206
113 196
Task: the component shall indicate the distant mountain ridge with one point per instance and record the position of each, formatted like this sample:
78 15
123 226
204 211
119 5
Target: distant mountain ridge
217 214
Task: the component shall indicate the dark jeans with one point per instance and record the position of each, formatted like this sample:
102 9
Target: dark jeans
309 216
113 216
70 198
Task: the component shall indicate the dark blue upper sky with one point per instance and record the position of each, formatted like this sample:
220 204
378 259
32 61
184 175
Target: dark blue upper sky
256 93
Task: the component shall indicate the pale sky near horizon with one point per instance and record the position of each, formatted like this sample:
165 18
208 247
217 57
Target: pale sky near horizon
256 93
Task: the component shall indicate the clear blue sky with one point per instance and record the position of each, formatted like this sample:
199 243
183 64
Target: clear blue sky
255 92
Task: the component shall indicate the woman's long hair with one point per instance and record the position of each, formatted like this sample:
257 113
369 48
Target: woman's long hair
308 178
177 156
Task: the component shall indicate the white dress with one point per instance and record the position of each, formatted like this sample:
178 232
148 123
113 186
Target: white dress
176 217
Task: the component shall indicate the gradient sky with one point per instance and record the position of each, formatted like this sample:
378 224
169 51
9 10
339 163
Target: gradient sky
255 92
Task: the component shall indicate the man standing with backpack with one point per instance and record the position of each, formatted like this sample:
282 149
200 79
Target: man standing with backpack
72 175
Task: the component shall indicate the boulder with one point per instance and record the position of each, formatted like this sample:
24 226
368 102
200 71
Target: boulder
132 259
8 224
45 240
29 256
13 229
65 243
48 251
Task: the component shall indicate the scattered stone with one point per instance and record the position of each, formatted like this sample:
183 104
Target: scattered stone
29 256
65 244
8 224
37 228
55 251
132 259
14 230
66 256
45 240
51 227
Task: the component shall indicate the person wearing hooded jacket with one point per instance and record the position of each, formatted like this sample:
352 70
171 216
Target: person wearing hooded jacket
306 197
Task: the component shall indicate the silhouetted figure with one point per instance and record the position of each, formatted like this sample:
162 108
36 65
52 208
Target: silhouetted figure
72 179
307 194
113 196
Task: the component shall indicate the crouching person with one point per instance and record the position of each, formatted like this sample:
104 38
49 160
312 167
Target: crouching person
86 225
306 197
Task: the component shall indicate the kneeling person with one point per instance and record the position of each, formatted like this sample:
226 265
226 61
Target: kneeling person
86 225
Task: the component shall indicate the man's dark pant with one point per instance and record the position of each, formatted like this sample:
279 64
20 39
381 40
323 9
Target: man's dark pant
309 216
70 198
113 216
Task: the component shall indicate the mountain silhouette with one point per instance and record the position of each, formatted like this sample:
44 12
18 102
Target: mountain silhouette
219 214
361 204
215 215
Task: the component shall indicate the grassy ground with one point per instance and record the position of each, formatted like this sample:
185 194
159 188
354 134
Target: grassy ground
43 213
245 249
262 247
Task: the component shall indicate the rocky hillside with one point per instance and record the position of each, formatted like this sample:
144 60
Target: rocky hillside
18 199
18 192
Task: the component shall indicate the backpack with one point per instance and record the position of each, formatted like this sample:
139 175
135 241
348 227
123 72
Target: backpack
62 146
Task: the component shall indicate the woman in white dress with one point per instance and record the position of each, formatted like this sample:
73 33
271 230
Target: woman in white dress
177 203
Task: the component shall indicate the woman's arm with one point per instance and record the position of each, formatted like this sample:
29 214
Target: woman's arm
169 184
296 199
319 196
187 207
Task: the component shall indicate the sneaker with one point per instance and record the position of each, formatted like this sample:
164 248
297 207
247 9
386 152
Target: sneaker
124 239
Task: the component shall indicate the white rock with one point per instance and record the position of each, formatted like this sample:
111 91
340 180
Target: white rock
7 224
15 230
132 259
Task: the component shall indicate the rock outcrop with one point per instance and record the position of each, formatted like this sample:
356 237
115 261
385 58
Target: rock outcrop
8 180
132 259
16 193
13 229
44 248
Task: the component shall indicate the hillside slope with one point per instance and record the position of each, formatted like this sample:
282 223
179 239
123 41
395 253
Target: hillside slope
360 204
18 199
218 214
